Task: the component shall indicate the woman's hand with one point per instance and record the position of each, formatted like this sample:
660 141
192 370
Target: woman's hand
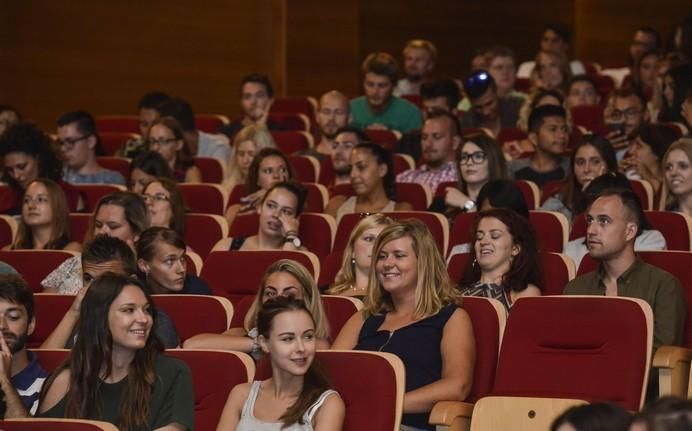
289 225
455 197
251 201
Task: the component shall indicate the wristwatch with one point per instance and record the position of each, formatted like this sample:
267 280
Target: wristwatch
295 240
469 205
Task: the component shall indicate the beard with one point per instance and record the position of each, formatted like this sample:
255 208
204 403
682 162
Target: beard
415 77
16 343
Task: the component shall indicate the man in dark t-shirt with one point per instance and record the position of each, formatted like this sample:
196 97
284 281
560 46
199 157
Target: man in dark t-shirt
549 135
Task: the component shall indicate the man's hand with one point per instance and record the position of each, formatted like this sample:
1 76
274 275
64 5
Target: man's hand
5 360
618 138
263 118
455 197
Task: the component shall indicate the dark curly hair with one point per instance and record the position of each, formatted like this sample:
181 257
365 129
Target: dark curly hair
29 139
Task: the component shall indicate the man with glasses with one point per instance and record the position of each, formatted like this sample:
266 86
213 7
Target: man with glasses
332 114
79 144
344 140
439 141
488 110
379 108
625 115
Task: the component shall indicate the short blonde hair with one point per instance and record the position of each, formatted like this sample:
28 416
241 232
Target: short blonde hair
258 135
347 275
422 44
434 289
311 296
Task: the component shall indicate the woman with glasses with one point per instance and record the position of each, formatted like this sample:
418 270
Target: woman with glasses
165 204
373 181
166 137
45 224
592 157
161 261
279 212
479 160
26 156
269 167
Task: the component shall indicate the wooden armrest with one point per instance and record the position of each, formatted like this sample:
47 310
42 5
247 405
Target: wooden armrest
454 414
673 364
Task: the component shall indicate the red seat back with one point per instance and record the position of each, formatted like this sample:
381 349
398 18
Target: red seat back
549 189
418 195
461 230
590 118
211 168
34 265
511 134
92 193
338 310
590 348
551 230
303 168
203 198
49 309
79 226
290 121
120 165
386 138
291 141
42 424
117 123
210 123
8 228
111 142
186 311
203 231
675 228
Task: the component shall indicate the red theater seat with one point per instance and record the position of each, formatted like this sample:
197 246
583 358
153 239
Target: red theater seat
111 142
120 165
203 231
35 265
338 310
211 123
552 230
386 138
204 197
292 141
8 230
117 123
49 309
291 121
44 424
196 314
79 226
305 168
530 191
212 169
92 193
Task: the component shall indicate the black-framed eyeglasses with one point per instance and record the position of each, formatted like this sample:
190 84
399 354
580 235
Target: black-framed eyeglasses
156 197
161 142
69 143
618 115
477 83
476 158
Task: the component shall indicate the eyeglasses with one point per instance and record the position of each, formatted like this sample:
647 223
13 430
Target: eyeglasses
476 158
270 171
161 142
618 115
477 83
158 197
69 143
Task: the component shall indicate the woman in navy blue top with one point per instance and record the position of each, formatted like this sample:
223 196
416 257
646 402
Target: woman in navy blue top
411 311
161 261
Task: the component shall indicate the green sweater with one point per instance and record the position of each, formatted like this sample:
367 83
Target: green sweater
398 114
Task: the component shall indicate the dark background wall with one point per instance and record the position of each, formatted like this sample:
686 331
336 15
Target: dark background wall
102 56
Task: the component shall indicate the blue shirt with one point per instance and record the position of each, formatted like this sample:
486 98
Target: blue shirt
28 383
104 176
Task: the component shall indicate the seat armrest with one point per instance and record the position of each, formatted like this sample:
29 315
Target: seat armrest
673 365
454 414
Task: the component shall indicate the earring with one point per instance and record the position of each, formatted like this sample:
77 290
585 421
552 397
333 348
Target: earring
353 261
474 263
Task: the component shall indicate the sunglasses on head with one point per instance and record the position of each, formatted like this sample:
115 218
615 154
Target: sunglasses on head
476 83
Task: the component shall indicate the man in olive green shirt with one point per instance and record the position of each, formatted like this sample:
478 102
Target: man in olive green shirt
614 220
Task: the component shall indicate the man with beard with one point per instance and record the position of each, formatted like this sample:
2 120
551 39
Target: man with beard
256 98
488 110
21 376
379 108
332 115
439 141
419 61
345 139
624 116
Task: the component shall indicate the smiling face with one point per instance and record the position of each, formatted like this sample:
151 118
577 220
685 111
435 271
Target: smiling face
397 266
36 206
281 283
158 201
366 173
494 246
472 172
588 164
291 343
678 172
166 269
129 319
362 248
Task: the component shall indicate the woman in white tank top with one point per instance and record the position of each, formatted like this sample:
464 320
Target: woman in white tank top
285 401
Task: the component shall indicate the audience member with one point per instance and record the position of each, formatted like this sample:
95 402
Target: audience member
279 213
502 66
505 263
664 414
201 144
686 112
373 181
145 168
538 97
552 70
333 114
161 259
256 98
592 157
411 311
677 167
104 254
646 239
646 153
479 161
352 278
555 38
582 90
166 138
21 376
593 417
122 215
165 205
286 330
378 108
284 277
439 141
549 133
345 140
8 117
45 221
136 386
79 145
27 155
644 73
247 142
644 39
269 167
420 56
625 115
147 113
488 110
677 84
614 219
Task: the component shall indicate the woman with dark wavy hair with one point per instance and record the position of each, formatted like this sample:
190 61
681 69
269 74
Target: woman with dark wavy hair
116 371
373 181
505 263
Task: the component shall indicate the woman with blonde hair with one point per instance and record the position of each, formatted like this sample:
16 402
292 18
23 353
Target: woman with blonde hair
552 70
284 277
352 278
677 168
246 144
412 311
45 223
